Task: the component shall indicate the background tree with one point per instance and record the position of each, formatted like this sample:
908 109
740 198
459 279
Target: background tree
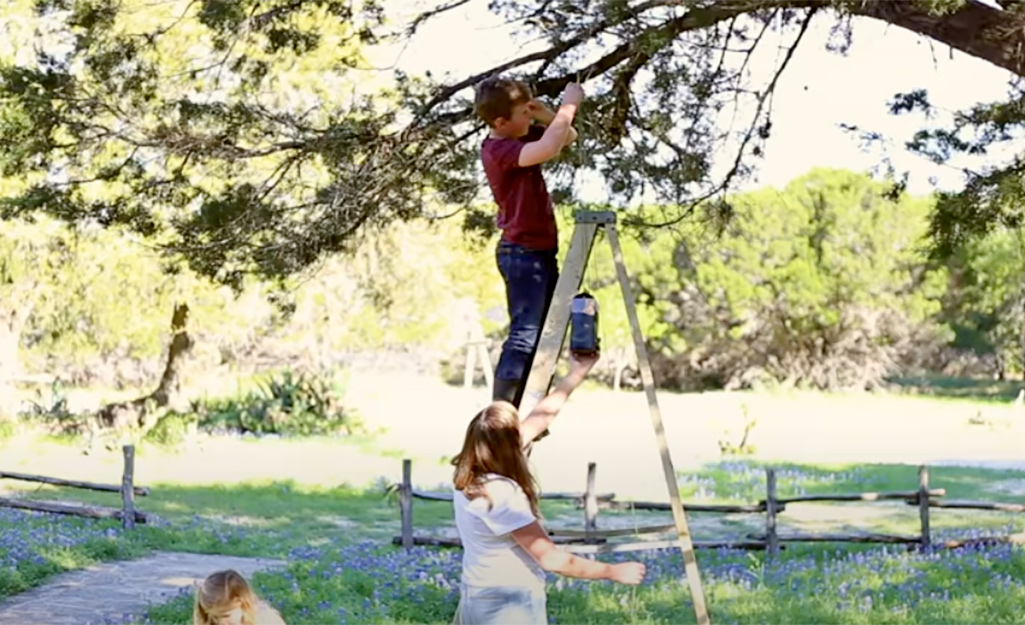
91 305
986 301
822 284
29 261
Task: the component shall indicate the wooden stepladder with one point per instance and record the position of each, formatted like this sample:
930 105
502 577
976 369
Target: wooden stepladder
550 345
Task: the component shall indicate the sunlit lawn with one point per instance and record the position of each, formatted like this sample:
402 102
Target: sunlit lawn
322 505
342 568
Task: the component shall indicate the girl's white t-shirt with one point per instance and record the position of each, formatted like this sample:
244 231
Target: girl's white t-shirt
491 556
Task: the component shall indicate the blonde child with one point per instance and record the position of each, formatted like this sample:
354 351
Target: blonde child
505 550
225 598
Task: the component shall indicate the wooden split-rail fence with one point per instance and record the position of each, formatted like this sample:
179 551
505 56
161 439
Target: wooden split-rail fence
128 513
591 540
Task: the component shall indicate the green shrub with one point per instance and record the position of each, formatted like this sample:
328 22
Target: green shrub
171 429
292 405
53 413
8 428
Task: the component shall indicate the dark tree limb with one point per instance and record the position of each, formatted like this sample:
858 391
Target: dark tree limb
752 129
140 414
976 29
424 17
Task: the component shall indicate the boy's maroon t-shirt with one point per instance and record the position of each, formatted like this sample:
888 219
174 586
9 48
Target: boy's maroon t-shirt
525 212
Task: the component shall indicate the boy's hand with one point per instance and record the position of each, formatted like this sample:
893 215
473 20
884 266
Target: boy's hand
630 573
543 115
540 112
573 94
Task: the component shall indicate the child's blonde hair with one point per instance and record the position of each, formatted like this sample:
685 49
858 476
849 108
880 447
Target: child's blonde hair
222 592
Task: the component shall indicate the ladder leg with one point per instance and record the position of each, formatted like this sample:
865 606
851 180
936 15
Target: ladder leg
470 366
485 363
693 575
553 333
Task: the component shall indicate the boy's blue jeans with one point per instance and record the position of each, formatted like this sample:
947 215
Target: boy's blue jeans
530 278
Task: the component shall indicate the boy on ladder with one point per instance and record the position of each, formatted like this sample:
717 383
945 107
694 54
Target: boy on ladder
512 155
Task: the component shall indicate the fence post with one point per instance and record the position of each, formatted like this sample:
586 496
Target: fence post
771 537
406 503
590 505
923 504
128 488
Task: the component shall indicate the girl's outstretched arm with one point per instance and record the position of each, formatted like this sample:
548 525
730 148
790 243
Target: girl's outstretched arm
536 542
548 408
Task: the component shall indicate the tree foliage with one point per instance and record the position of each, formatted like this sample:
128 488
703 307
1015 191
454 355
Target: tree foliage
985 304
821 284
227 130
220 129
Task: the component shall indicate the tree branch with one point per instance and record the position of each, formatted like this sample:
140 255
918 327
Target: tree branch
975 28
261 20
695 18
735 168
427 15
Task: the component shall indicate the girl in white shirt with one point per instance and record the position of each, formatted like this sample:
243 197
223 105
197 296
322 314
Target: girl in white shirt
505 550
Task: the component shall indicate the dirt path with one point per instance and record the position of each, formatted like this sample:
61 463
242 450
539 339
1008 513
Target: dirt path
110 590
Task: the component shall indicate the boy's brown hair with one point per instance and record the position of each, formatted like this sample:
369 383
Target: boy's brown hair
496 98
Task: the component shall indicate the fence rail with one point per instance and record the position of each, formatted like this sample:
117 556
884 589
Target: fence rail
978 505
56 481
443 496
910 494
128 513
591 540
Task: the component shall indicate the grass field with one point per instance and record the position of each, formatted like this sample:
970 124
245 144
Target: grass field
321 505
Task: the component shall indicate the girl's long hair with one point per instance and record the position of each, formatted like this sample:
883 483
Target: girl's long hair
219 594
492 445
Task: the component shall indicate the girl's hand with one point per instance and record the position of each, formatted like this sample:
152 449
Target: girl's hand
581 365
629 573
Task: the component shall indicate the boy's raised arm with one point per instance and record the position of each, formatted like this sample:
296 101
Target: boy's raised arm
545 116
558 131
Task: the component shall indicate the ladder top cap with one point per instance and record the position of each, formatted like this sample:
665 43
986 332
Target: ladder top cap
595 217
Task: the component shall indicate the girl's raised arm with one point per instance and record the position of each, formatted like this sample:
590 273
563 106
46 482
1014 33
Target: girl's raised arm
548 408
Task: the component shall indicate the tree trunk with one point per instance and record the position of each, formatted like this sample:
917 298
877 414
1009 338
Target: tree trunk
169 390
1021 330
141 414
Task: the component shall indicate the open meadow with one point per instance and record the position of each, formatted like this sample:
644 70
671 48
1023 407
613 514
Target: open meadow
321 505
250 248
